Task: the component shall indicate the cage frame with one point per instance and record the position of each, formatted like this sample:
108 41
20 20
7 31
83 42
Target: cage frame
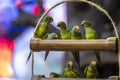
36 42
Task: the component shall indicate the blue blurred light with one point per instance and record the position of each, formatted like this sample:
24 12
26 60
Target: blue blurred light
8 11
28 8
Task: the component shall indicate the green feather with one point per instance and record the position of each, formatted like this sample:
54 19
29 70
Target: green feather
90 33
42 30
70 72
43 27
90 72
64 32
55 75
76 35
49 36
67 34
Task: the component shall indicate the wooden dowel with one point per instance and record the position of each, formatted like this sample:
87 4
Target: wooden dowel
37 44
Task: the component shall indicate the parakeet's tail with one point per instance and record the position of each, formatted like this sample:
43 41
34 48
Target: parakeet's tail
97 54
28 57
76 57
46 55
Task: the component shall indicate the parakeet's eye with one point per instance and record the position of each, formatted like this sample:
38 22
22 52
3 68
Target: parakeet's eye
51 20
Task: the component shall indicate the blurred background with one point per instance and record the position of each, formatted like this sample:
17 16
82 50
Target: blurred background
18 19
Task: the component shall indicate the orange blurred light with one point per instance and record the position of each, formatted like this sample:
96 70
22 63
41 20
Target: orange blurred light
6 52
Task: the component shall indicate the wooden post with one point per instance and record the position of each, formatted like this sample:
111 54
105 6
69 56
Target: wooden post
109 44
32 62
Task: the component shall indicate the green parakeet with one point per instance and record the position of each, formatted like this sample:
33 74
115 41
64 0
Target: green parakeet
76 35
49 36
64 32
55 75
91 70
41 30
67 34
43 27
90 33
70 71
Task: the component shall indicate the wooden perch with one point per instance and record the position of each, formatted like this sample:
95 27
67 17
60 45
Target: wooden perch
109 44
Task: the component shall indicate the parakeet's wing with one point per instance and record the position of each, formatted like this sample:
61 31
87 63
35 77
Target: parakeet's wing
76 36
41 30
65 72
97 53
76 57
76 73
65 34
49 37
46 35
95 34
96 71
91 34
85 71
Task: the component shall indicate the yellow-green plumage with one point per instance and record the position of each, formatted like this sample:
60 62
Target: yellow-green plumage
64 32
70 71
91 71
76 35
41 30
55 75
90 33
49 36
67 34
43 27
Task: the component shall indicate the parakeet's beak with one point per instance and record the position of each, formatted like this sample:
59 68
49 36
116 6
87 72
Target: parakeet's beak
94 63
71 63
78 29
51 20
58 24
